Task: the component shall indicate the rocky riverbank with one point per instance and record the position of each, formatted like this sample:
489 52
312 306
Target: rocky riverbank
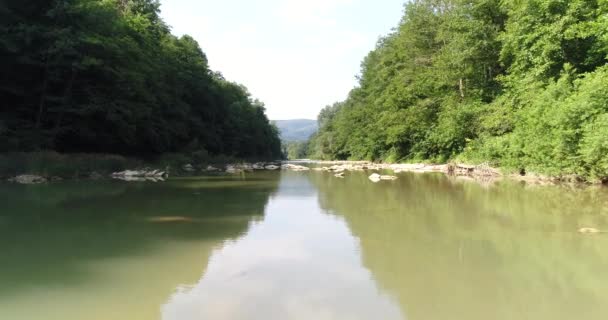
340 169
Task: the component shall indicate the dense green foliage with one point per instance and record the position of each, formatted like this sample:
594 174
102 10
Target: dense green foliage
295 150
519 84
108 76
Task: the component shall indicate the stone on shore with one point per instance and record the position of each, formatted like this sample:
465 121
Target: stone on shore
294 167
140 175
233 170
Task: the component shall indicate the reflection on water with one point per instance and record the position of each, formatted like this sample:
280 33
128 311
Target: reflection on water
298 264
455 250
88 251
302 246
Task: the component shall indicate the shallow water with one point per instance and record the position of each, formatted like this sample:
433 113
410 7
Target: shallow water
302 246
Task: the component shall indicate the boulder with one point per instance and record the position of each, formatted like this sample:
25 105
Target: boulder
188 168
28 179
246 167
339 175
233 170
375 178
272 167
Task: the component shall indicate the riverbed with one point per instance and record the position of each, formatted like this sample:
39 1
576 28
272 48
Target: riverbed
302 245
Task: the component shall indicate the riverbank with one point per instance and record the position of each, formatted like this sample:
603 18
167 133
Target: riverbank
480 172
41 167
36 167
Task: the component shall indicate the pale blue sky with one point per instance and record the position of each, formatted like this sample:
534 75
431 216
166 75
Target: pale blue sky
297 56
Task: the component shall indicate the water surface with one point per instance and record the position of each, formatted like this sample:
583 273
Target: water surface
302 246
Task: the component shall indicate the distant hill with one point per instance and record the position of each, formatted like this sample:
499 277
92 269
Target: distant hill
296 130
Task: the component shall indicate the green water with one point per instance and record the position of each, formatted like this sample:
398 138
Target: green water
302 246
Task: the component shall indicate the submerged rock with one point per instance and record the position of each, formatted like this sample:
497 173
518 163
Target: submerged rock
377 178
389 178
589 230
339 175
28 179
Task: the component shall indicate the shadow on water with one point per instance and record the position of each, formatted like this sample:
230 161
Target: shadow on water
50 234
448 249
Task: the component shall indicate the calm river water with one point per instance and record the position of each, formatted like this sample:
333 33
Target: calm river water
290 246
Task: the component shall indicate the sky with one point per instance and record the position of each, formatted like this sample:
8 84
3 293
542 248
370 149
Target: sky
297 56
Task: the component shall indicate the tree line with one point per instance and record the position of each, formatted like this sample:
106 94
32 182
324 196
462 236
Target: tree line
519 84
108 76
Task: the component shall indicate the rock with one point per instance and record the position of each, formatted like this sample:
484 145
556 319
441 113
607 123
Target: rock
339 175
294 167
128 173
140 175
233 170
272 167
589 230
28 179
139 179
246 167
212 169
375 178
188 168
56 179
388 178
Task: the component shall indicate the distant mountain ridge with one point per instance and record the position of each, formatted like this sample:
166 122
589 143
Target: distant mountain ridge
297 129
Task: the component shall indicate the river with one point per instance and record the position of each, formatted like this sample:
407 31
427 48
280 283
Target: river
290 245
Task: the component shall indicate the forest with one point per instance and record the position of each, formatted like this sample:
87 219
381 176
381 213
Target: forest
107 76
522 85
